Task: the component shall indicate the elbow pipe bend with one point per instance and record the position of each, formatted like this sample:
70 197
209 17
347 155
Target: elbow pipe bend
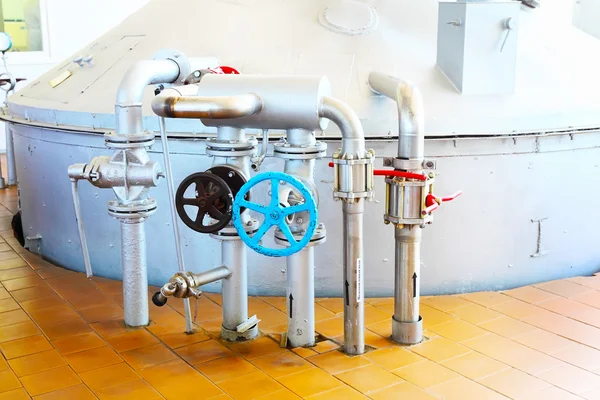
207 107
353 136
411 121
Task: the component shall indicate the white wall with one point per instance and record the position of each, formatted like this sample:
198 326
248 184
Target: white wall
68 26
587 16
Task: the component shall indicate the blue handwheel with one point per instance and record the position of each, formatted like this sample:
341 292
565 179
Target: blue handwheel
275 214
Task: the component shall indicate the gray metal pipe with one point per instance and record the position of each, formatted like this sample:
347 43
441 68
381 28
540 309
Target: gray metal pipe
411 120
212 275
135 273
235 289
300 297
84 247
354 313
128 107
215 107
10 157
353 137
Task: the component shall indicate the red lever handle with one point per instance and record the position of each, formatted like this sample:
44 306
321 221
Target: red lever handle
433 203
393 172
223 69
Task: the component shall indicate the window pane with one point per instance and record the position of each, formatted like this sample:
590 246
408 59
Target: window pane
21 20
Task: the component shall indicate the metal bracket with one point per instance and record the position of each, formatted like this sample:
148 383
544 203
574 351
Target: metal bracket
539 252
34 244
409 165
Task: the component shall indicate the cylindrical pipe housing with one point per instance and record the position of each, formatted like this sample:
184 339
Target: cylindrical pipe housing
235 289
135 274
288 101
209 107
300 297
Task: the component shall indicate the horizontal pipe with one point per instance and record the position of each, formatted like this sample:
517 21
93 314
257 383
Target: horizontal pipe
213 107
340 113
411 120
213 275
394 172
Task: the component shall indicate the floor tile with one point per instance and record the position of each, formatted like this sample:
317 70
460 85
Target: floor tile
77 343
552 393
42 303
335 305
4 293
15 394
513 383
425 373
563 288
250 386
68 328
129 390
579 355
38 362
475 314
8 381
339 393
204 351
439 349
102 378
393 357
517 309
16 273
507 327
404 390
54 315
474 365
32 293
101 313
530 294
78 392
18 331
148 356
331 327
26 346
544 341
281 364
320 381
225 368
593 394
571 379
257 348
591 298
325 346
110 328
369 378
458 330
13 317
176 337
93 359
49 381
432 317
335 362
464 389
131 340
304 352
445 303
8 305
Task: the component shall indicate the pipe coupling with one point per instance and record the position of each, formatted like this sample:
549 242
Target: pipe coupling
105 172
353 178
405 200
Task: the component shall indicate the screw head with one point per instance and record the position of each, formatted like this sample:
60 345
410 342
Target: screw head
230 174
299 220
387 162
429 164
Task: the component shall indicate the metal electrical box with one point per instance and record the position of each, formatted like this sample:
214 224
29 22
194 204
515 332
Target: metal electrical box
477 45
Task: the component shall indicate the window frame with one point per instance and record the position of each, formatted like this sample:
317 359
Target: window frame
35 57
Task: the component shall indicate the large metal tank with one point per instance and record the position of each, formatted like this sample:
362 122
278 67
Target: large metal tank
527 162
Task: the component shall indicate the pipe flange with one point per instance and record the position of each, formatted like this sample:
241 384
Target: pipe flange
235 336
409 165
178 58
216 144
230 153
285 150
114 140
407 332
396 220
230 233
137 210
354 195
320 236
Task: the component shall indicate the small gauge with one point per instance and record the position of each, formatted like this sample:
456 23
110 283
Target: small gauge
6 42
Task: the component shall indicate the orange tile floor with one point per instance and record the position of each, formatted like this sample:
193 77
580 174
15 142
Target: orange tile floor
62 337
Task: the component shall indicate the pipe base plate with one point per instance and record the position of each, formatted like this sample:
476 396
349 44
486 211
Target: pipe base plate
407 332
235 336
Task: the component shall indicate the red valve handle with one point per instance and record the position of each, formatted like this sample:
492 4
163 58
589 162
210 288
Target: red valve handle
393 172
224 70
433 202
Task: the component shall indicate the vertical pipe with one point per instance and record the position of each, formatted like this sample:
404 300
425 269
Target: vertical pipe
10 157
187 311
407 279
135 274
300 297
354 312
84 247
235 289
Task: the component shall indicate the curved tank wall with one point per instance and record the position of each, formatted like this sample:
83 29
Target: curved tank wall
486 240
527 162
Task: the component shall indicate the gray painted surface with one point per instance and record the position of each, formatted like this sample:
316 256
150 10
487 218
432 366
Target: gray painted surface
482 241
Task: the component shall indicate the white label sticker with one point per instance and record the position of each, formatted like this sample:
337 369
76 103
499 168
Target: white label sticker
358 280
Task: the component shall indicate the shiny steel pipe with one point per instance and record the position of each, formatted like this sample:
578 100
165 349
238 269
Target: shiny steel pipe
406 328
135 273
216 107
11 165
411 120
235 288
84 247
210 276
187 311
354 312
128 107
353 137
300 297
